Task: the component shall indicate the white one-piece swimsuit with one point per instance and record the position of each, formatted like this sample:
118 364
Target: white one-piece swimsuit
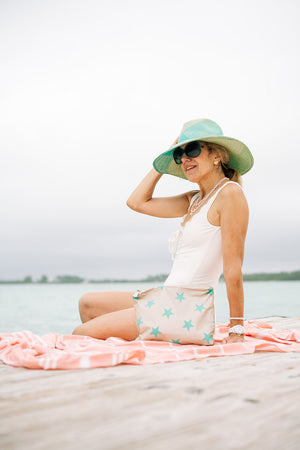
196 249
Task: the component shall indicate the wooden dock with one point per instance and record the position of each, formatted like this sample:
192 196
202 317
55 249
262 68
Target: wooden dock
243 402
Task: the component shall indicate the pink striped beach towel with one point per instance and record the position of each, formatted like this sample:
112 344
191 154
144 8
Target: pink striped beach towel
54 351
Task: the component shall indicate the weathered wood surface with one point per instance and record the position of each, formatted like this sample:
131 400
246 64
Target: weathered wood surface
231 402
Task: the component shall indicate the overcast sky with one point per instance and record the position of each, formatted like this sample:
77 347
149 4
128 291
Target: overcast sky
91 91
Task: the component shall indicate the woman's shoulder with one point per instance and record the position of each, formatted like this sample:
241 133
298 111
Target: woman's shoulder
231 188
232 193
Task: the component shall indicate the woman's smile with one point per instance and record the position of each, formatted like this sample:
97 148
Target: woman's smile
189 167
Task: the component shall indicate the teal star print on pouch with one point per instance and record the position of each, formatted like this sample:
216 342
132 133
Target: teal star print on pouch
168 313
210 291
139 321
155 331
199 308
179 297
150 303
175 341
188 324
207 337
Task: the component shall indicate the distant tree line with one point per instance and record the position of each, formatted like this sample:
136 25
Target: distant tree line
61 279
44 279
281 276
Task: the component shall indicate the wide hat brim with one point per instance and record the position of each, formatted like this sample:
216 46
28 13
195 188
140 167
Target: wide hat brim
240 158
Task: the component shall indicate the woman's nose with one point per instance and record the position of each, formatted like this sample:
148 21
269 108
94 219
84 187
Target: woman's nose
184 157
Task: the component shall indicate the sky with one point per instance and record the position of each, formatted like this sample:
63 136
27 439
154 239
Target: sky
91 91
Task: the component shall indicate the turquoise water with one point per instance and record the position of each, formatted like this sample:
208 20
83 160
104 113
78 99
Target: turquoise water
53 308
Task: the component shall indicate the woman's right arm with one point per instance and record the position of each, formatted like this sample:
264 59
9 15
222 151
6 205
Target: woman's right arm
141 199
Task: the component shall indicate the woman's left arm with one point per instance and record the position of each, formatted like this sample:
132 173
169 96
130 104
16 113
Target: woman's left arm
234 217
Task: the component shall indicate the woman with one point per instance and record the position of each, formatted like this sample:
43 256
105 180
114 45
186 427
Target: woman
212 235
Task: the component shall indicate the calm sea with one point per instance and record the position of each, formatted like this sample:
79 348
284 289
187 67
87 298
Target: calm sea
44 308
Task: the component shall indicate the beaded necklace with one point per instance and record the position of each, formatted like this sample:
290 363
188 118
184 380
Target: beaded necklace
199 202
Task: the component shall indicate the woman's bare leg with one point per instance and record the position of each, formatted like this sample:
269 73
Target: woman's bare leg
94 304
120 324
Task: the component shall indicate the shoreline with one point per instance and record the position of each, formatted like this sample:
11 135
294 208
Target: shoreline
74 279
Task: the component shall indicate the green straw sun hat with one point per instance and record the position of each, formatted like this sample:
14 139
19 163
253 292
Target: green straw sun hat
205 130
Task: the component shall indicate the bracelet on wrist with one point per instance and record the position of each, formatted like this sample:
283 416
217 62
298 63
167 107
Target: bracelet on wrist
237 329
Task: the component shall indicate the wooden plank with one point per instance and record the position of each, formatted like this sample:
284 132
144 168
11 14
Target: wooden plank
230 402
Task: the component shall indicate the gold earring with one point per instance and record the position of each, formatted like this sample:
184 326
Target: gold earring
216 163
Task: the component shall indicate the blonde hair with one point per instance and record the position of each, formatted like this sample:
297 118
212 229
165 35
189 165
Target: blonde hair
232 174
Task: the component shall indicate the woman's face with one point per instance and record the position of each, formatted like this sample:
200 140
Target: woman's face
199 168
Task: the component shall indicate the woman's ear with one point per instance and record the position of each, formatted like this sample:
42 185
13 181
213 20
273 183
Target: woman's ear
217 158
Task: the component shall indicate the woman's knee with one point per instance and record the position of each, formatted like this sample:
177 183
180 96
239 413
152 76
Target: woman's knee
95 304
85 307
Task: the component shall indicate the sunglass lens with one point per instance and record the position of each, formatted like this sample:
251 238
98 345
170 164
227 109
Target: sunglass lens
193 149
177 155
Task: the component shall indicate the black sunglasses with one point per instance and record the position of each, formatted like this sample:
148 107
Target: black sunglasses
192 150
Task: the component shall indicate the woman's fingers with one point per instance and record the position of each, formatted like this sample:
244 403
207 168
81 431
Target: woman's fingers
231 339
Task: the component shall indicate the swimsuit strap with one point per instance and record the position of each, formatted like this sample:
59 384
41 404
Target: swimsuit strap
212 198
195 197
